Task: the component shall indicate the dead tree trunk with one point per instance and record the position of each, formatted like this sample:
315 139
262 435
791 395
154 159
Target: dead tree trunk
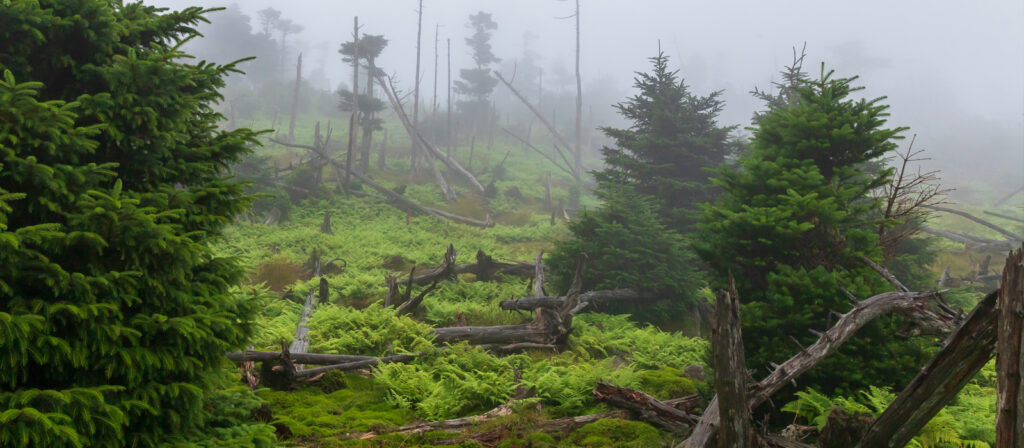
325 227
730 372
964 353
1010 358
914 305
353 122
415 153
544 121
577 156
295 99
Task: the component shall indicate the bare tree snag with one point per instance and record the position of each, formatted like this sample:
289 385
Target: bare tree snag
648 408
416 91
295 99
730 371
353 121
325 227
1010 354
914 305
963 354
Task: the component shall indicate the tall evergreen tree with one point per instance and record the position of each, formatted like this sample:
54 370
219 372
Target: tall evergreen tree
673 141
114 313
795 218
477 83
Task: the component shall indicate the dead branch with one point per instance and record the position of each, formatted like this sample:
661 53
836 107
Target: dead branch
353 365
417 138
544 121
1013 236
485 268
912 304
964 353
648 408
538 151
1010 218
304 358
390 195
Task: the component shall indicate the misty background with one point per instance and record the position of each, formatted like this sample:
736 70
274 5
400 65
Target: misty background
953 71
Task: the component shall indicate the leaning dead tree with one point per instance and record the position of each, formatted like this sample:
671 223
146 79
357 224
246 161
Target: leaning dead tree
551 129
428 148
389 195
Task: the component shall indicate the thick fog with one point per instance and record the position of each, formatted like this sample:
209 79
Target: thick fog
953 71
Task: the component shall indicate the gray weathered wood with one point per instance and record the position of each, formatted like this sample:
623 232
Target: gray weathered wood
304 358
730 371
1010 359
648 408
963 354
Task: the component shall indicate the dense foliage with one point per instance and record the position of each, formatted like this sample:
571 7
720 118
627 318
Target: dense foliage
791 228
114 313
672 143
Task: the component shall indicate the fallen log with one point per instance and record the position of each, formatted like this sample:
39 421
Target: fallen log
303 358
485 268
612 295
969 240
354 365
914 305
963 354
301 342
562 425
648 408
1010 218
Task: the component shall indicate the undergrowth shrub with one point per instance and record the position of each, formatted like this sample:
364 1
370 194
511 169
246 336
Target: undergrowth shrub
451 383
614 432
372 331
604 335
666 383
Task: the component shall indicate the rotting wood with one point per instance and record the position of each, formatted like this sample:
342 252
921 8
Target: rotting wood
304 358
485 268
1010 361
730 371
646 407
963 354
914 305
609 295
300 344
353 365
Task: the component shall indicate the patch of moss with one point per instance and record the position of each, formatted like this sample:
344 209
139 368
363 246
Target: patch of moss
666 383
332 381
613 432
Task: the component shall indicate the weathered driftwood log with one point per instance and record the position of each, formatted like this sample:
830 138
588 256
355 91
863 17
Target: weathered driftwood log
730 371
1010 361
964 353
914 305
612 295
646 407
304 358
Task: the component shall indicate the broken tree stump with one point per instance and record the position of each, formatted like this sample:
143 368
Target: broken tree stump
730 371
1010 354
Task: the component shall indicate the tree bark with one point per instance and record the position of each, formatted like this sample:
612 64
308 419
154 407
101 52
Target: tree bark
648 408
730 371
1010 359
913 305
962 356
295 99
304 358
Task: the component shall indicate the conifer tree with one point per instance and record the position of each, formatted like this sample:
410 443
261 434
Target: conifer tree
795 218
114 313
477 83
672 142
